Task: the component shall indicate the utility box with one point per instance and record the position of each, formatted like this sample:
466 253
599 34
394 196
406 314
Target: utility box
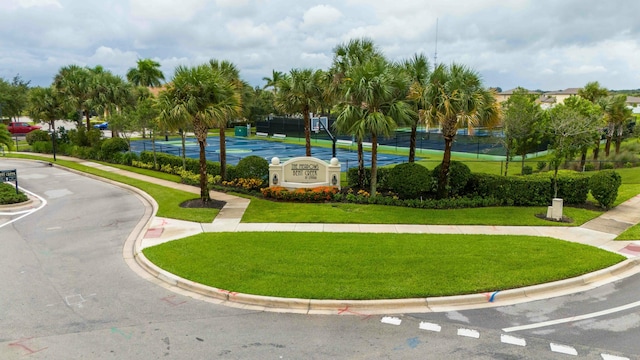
240 131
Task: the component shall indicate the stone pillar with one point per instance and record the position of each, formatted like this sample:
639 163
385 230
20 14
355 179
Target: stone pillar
276 172
556 209
333 172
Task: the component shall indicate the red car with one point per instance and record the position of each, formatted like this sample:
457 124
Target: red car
21 127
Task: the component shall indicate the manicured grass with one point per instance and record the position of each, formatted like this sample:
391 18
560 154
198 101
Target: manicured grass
260 210
632 233
168 199
373 266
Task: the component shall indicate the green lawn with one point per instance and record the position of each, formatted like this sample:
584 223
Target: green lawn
373 266
168 199
260 210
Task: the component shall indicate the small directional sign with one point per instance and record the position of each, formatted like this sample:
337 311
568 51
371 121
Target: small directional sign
8 175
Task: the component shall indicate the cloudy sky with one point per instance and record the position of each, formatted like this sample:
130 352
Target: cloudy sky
542 44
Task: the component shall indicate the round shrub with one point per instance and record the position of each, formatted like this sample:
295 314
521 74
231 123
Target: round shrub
252 167
114 145
459 175
409 180
604 187
37 135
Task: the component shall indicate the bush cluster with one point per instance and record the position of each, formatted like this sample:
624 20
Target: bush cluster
253 167
604 187
410 180
318 194
8 195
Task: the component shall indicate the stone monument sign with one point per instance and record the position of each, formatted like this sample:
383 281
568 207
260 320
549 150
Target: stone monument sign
304 172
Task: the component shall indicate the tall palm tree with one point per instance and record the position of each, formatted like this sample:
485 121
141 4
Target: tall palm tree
595 93
203 97
5 137
374 102
231 74
301 93
74 83
455 98
110 95
417 68
146 73
617 114
345 57
273 82
47 104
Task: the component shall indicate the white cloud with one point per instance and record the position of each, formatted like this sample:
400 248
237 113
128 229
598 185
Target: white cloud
244 32
165 10
319 16
39 3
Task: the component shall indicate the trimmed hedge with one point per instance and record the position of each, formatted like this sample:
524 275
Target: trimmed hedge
192 165
383 173
604 187
410 180
535 190
459 176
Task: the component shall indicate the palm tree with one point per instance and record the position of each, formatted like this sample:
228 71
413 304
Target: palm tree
46 104
616 115
301 93
346 56
146 73
231 74
373 104
5 137
273 82
204 98
110 95
455 98
74 83
593 92
417 68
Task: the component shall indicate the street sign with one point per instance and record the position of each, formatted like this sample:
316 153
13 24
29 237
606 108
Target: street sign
9 175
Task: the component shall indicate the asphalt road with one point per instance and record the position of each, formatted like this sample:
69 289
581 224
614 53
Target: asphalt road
67 293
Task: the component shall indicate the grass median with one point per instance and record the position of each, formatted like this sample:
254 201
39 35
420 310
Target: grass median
373 266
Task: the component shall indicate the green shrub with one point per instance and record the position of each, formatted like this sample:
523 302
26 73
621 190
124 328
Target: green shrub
383 172
37 135
573 188
527 170
252 167
604 187
589 167
409 180
8 194
459 175
114 145
541 165
42 147
606 165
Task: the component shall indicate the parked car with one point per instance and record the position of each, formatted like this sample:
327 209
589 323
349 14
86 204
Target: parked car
21 127
102 126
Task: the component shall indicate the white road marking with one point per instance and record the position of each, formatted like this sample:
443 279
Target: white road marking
469 333
43 203
563 349
508 339
613 357
430 326
391 320
573 318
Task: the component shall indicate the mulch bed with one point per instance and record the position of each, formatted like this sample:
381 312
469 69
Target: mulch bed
198 204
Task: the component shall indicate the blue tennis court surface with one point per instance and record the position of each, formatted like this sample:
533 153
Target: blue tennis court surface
238 148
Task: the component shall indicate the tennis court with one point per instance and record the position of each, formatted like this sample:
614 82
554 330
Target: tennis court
238 148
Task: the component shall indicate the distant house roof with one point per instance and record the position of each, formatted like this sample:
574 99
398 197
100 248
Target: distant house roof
569 91
544 99
633 100
510 92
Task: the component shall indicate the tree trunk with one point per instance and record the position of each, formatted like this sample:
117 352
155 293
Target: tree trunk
523 156
443 178
607 146
374 164
506 162
88 119
184 151
412 143
223 155
307 130
583 159
153 147
204 188
361 172
618 140
596 150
